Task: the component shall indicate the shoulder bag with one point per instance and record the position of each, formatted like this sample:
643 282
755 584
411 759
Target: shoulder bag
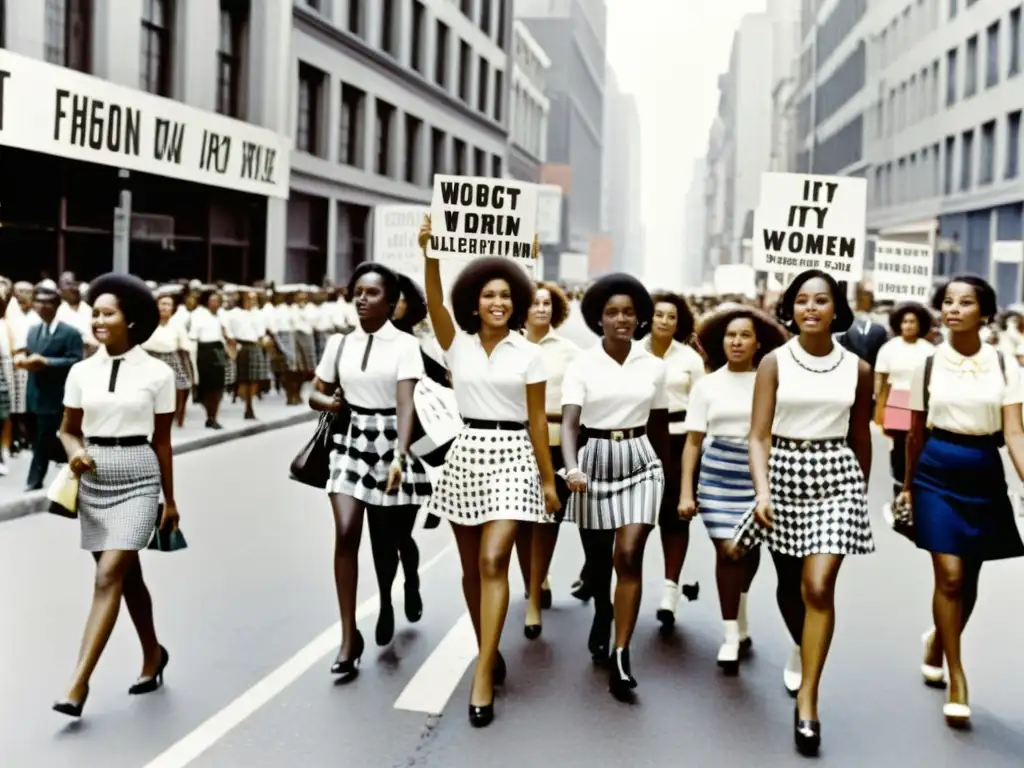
312 464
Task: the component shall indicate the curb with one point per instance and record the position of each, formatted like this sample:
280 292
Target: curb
35 501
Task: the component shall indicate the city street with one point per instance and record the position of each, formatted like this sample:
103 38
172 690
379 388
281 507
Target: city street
248 614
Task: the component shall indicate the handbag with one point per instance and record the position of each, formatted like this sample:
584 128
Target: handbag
311 466
63 494
166 541
897 414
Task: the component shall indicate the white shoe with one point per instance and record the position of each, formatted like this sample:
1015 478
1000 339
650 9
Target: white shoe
729 653
887 515
670 593
793 674
744 628
957 715
933 676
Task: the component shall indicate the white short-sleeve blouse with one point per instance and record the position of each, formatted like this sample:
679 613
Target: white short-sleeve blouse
898 360
371 365
614 396
493 388
120 396
721 404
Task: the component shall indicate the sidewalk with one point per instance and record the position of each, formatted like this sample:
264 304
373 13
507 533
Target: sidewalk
271 413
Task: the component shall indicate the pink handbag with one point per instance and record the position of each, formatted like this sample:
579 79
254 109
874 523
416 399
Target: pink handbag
896 417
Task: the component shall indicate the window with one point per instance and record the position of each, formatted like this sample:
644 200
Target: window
878 189
496 167
466 6
950 77
155 53
413 136
459 147
936 168
307 121
987 169
68 33
901 180
966 160
382 132
992 55
1016 40
387 26
353 102
971 67
1013 145
947 185
499 93
441 57
501 24
465 71
419 31
229 57
485 16
355 17
935 87
479 162
436 154
482 83
952 9
315 5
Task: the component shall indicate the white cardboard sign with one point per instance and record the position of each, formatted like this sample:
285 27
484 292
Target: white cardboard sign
59 111
549 213
396 230
903 271
806 221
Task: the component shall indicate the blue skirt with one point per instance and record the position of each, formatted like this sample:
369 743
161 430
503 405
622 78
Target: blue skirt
725 490
961 504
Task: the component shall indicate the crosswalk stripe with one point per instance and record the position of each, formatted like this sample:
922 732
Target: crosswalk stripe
436 681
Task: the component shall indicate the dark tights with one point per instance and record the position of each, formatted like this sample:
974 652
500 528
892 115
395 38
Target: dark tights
621 551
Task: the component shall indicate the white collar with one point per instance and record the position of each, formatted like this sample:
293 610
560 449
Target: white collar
386 332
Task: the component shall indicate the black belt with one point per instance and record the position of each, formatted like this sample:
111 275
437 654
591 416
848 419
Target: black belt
616 434
119 442
371 411
499 425
676 417
968 441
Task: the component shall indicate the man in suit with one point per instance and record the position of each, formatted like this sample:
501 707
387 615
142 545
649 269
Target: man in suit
865 337
51 348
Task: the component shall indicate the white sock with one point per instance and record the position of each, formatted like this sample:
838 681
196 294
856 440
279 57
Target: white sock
731 632
741 617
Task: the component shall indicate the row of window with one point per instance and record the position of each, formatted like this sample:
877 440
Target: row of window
917 21
934 170
529 126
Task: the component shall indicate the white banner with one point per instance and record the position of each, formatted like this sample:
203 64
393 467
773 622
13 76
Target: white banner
549 213
59 111
1008 252
903 271
396 230
573 268
806 221
476 216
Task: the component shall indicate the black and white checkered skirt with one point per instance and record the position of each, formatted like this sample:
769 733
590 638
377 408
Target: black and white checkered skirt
176 364
625 484
119 502
360 462
819 499
252 365
489 474
305 352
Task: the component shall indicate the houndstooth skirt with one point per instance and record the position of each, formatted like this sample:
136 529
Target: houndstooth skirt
360 463
625 484
119 502
182 380
489 474
252 365
819 500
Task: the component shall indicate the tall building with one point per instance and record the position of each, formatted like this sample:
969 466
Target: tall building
528 106
573 33
620 177
691 272
386 94
82 123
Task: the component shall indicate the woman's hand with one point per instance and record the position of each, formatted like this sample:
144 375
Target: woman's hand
424 237
687 509
170 518
394 475
551 502
763 513
336 401
81 462
576 480
536 246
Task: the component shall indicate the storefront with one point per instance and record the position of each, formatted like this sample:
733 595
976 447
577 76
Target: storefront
71 143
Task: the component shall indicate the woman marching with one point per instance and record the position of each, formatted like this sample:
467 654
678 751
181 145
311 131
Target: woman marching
735 340
671 329
170 343
118 409
535 543
897 360
966 401
498 470
811 418
207 332
372 370
616 389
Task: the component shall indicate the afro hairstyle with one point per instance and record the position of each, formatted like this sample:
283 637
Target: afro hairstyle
920 311
134 299
470 284
711 334
685 323
617 284
560 306
415 305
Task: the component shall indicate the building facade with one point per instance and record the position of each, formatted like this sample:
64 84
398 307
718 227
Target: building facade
621 177
528 106
386 94
573 34
179 103
691 272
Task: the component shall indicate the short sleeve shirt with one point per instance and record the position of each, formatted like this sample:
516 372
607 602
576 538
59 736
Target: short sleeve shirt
493 387
371 365
614 396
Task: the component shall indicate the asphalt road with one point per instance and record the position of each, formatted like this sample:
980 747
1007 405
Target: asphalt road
249 618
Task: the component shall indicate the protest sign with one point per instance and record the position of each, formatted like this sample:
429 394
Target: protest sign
549 213
805 221
477 216
396 230
903 271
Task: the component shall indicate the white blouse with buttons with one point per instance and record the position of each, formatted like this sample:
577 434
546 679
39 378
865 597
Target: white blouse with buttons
967 394
205 327
814 394
371 380
167 339
493 388
557 352
614 396
283 318
898 360
684 368
124 405
241 325
721 404
301 319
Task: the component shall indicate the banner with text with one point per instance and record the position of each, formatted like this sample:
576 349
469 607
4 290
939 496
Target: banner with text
549 213
903 271
58 111
476 216
805 221
396 230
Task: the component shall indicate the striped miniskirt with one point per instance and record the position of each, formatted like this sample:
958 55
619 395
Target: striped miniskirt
725 490
625 484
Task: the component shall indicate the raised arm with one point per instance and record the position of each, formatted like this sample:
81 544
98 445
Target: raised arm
440 319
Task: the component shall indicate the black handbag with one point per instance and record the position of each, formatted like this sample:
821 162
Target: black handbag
311 466
166 541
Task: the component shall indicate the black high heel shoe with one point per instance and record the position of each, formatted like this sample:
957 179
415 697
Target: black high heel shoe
621 682
482 716
546 599
150 684
500 670
532 631
71 708
348 669
413 601
806 735
385 631
598 642
581 591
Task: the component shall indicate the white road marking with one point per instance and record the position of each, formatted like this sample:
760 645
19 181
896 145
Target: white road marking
192 745
436 681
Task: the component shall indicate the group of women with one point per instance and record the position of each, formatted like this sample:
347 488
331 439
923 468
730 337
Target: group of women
760 425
